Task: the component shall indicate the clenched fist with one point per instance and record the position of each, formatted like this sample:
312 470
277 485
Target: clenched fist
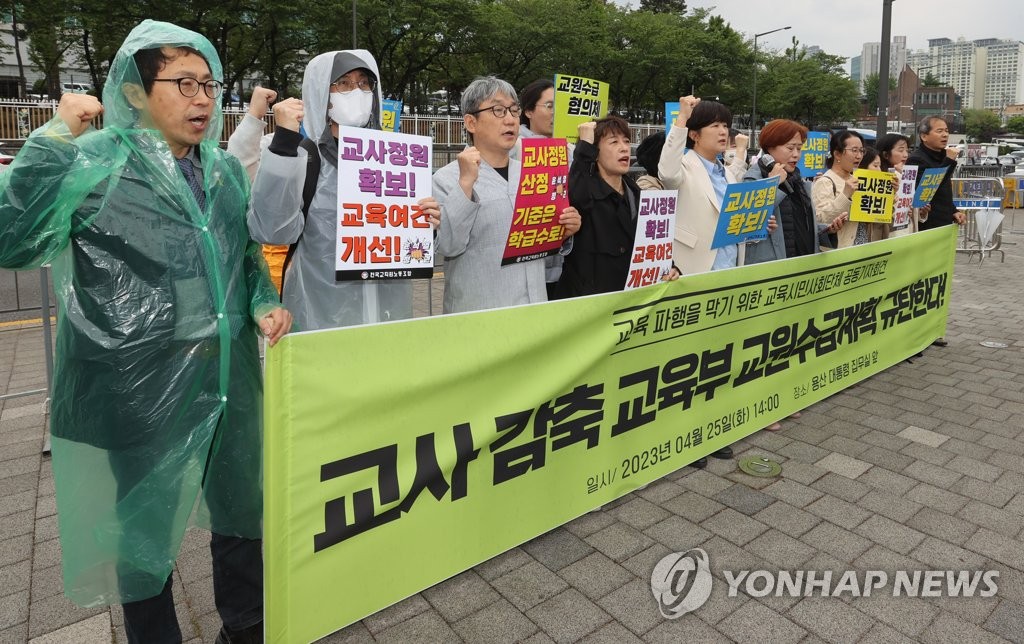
469 169
586 131
260 102
686 105
288 114
78 110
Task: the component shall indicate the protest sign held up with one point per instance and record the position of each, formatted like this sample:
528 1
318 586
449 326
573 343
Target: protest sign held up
903 207
390 115
813 153
652 248
578 100
872 201
745 211
543 194
930 180
381 232
671 113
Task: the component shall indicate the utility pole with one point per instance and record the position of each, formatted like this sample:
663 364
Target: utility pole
753 105
883 70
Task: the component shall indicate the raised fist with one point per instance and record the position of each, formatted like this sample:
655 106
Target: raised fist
288 114
78 110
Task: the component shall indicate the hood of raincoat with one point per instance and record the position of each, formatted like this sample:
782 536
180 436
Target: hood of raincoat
151 34
316 88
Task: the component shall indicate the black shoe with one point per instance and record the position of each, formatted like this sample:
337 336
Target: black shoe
725 453
940 343
251 635
700 463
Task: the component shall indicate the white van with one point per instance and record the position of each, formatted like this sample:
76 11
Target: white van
75 88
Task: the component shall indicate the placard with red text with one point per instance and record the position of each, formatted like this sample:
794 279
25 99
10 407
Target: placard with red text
543 194
652 248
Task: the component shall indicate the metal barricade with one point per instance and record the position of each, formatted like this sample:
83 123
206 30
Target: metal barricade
44 283
971 195
44 296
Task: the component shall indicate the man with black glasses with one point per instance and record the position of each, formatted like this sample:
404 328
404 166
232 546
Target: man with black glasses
477 193
157 395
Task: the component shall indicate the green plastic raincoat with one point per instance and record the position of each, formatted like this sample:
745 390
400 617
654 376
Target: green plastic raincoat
157 394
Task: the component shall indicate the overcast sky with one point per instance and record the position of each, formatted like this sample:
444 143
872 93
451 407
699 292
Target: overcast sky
841 28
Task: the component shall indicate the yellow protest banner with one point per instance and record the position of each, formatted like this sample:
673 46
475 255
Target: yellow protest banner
577 100
400 454
874 198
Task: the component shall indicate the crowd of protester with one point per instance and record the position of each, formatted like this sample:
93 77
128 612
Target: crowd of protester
157 354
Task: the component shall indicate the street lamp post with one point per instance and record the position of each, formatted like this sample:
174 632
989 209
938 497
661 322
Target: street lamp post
882 125
753 103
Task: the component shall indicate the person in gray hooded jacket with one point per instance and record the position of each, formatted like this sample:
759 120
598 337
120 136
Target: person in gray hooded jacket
338 88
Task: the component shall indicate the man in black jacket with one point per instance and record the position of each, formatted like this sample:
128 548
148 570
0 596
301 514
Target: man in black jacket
933 153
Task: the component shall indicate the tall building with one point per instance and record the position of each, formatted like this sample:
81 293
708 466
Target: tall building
897 55
871 55
987 73
1004 74
855 74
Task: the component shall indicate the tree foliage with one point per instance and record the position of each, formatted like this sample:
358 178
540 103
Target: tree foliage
871 91
1015 124
813 90
981 125
650 55
663 6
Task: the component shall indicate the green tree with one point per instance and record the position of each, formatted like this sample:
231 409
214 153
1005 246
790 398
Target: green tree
1015 124
931 80
677 7
52 32
521 40
656 58
981 125
871 91
12 10
813 90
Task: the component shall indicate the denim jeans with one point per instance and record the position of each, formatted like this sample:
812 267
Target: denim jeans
237 592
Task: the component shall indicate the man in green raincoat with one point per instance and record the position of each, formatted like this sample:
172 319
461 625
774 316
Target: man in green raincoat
157 394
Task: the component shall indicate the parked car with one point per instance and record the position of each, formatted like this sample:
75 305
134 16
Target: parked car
988 161
1007 159
75 88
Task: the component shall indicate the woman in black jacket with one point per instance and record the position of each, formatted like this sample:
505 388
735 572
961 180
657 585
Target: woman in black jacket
607 199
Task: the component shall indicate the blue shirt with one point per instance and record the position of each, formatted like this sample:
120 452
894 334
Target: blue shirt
727 255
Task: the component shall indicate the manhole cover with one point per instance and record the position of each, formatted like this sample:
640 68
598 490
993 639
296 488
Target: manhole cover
994 345
760 466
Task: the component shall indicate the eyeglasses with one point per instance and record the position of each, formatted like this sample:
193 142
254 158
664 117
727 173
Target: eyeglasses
855 150
346 85
549 105
189 87
500 110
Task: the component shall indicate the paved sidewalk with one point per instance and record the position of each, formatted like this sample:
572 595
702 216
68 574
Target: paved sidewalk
920 467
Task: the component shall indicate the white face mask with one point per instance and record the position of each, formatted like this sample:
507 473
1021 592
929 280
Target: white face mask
351 108
729 156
